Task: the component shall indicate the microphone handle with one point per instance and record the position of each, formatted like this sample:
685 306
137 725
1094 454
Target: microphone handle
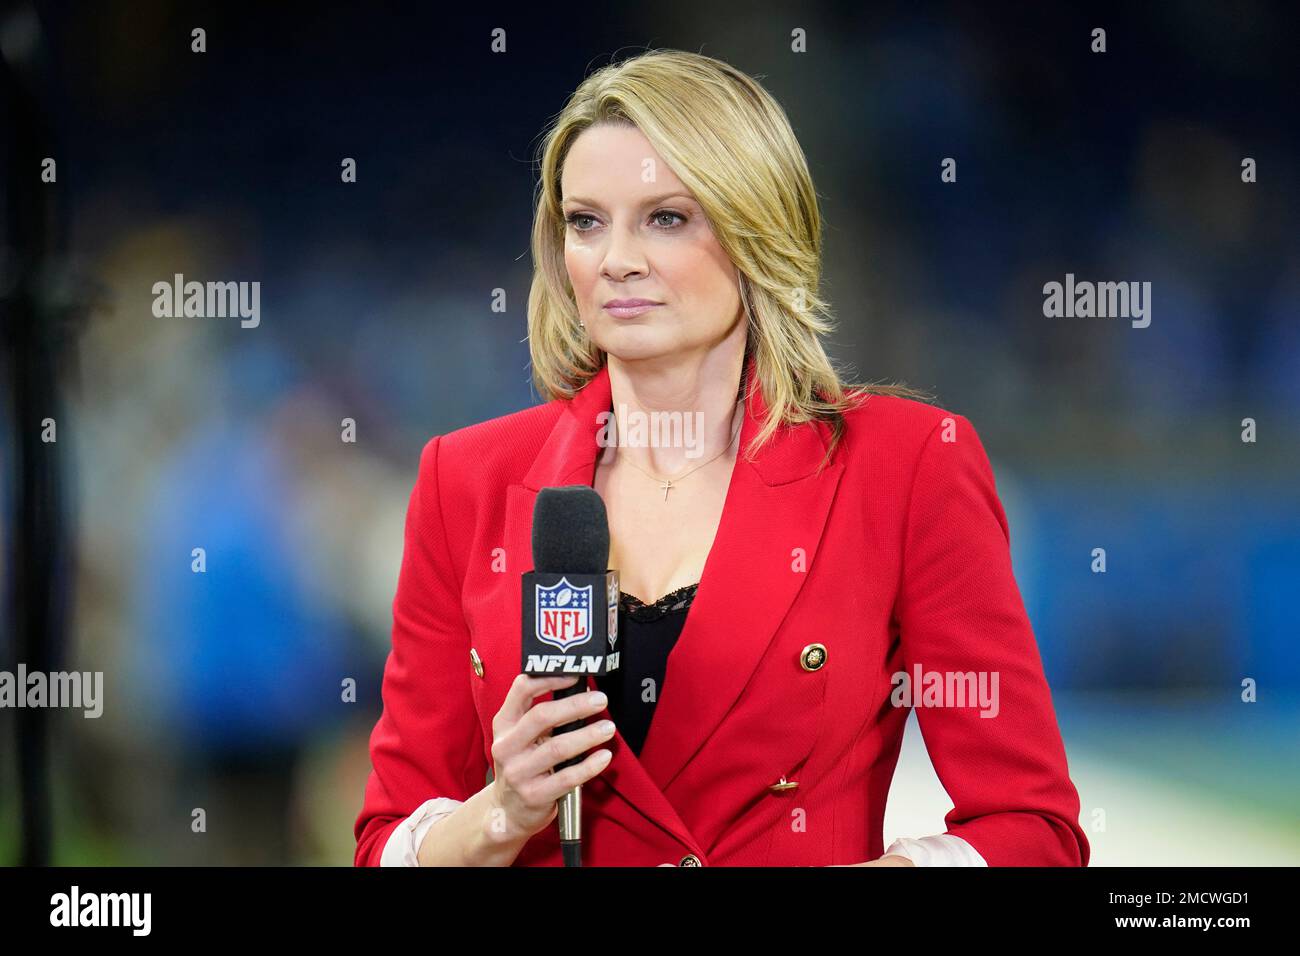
570 805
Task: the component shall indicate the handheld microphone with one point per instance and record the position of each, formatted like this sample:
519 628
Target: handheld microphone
570 614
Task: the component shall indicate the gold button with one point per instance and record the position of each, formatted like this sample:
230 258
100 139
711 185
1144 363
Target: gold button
812 657
784 784
690 859
474 660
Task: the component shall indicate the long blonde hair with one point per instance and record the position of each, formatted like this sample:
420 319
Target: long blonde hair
731 144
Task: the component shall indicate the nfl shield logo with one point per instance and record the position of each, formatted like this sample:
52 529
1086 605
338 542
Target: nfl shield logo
563 614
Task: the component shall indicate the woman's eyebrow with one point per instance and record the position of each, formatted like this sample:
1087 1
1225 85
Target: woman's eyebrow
645 202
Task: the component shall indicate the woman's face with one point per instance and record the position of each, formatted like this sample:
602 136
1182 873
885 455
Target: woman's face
633 231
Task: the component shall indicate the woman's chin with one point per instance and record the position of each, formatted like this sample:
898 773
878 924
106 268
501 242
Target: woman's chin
631 344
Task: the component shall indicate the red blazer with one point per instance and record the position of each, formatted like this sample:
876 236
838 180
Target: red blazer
895 555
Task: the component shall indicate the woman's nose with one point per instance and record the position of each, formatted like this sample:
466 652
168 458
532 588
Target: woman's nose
623 255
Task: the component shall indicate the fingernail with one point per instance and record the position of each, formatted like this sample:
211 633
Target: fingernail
605 726
598 699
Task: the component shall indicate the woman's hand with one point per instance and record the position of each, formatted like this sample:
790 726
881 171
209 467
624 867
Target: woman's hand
524 787
892 859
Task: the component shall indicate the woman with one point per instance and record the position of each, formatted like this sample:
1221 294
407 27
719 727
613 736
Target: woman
802 548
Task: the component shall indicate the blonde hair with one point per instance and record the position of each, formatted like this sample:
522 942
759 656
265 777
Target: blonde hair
731 144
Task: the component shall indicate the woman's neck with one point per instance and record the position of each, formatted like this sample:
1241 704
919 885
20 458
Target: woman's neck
674 417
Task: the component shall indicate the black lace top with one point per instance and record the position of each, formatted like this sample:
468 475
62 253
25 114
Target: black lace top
647 633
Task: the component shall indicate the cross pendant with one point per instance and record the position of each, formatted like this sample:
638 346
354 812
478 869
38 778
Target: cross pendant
667 486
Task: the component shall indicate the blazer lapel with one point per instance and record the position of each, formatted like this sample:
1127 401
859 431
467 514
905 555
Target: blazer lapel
774 505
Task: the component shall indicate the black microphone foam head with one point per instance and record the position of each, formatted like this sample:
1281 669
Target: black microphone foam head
570 531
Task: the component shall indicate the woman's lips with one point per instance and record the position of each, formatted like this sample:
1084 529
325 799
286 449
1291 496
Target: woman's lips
630 311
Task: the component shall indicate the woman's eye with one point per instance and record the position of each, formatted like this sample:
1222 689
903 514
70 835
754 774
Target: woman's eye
657 218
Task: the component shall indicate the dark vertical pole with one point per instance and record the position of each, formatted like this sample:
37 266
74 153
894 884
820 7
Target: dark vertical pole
31 333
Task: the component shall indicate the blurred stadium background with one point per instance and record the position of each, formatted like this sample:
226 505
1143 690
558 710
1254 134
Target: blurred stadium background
222 690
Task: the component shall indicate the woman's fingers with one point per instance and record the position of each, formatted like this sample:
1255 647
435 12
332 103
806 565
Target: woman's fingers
556 749
526 750
524 689
561 782
549 714
515 730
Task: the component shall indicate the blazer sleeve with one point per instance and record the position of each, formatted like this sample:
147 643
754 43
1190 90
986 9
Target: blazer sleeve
959 610
427 742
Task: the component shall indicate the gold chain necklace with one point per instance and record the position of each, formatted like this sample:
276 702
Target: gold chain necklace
668 483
